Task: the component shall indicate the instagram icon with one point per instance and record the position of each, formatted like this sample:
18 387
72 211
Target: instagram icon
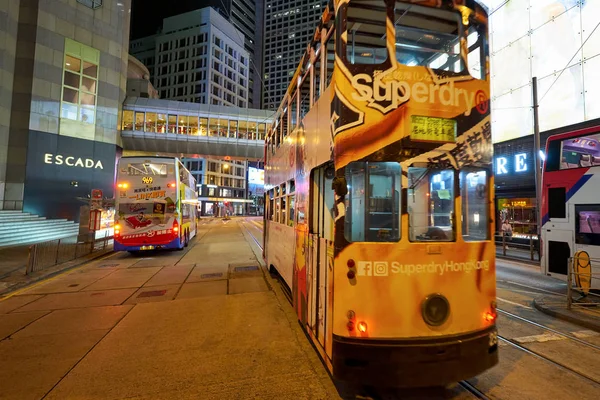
380 268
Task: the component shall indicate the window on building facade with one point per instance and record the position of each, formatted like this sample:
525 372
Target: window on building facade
80 81
93 4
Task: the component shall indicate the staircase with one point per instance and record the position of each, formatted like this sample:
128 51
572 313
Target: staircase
18 228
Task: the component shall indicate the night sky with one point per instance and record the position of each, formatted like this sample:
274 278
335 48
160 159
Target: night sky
147 15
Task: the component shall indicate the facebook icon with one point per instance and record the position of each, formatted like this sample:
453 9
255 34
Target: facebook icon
365 268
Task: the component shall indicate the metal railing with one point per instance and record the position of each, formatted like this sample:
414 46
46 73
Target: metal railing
53 252
508 243
583 281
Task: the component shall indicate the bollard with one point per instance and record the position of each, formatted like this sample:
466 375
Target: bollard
569 266
57 252
503 244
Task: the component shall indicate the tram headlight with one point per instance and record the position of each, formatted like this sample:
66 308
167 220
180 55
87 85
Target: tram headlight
362 327
435 309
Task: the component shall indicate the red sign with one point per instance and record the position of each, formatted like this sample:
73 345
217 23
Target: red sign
96 194
482 102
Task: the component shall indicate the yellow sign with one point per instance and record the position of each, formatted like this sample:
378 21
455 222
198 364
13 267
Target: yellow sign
147 180
432 129
149 195
583 271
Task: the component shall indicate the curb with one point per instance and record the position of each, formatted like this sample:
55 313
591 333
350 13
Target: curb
517 259
566 316
22 285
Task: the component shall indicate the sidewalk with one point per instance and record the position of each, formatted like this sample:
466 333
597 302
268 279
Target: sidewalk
206 322
587 317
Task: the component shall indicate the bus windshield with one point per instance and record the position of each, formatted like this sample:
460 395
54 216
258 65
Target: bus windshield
156 169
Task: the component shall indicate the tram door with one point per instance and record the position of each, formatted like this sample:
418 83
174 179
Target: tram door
320 258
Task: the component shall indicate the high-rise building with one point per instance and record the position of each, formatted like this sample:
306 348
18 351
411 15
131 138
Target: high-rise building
63 74
245 15
199 57
289 26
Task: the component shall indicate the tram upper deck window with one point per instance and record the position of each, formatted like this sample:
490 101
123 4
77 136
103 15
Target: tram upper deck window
365 27
428 36
373 199
432 219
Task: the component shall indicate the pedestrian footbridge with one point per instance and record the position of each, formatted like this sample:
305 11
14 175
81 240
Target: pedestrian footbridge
166 126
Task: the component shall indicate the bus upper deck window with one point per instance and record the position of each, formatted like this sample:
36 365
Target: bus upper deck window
432 219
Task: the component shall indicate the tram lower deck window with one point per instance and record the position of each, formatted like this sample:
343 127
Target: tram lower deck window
431 205
373 202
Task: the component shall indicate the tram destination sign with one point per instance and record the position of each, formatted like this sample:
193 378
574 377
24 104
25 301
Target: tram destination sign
432 129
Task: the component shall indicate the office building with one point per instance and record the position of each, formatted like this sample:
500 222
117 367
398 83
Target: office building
199 57
289 27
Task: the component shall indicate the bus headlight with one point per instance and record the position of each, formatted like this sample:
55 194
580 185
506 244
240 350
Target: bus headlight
435 309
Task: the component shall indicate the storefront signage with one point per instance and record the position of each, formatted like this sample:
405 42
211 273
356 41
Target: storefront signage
70 161
520 164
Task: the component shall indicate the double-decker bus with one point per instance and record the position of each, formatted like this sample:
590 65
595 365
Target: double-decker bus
570 201
379 213
155 204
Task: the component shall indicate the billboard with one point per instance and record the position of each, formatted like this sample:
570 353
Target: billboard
553 41
256 176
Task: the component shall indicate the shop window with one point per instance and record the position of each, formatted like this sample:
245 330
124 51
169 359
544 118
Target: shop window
475 204
139 121
172 127
223 127
243 129
182 127
233 129
127 124
431 204
161 123
373 202
252 130
150 122
80 81
193 123
203 126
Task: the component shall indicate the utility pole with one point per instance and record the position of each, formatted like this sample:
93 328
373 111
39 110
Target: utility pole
536 155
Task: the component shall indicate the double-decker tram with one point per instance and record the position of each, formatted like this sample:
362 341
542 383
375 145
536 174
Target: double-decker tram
378 184
570 205
155 204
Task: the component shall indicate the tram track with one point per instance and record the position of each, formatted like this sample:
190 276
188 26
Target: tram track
556 332
540 356
473 390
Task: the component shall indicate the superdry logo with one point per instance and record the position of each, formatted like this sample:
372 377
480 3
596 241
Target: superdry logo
386 94
382 268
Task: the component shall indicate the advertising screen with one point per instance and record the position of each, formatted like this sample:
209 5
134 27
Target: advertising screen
256 176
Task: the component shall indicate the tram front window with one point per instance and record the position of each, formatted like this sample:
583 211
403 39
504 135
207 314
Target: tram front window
431 205
373 213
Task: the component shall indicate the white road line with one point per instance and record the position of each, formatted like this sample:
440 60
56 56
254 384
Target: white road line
585 334
544 337
513 303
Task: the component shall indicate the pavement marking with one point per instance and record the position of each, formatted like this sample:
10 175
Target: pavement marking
585 334
544 337
60 274
513 303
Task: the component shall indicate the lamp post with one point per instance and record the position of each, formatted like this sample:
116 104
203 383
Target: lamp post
536 154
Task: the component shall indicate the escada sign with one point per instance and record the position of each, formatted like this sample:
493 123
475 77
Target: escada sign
70 161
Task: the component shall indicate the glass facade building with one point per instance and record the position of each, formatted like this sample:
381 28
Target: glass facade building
60 102
555 41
